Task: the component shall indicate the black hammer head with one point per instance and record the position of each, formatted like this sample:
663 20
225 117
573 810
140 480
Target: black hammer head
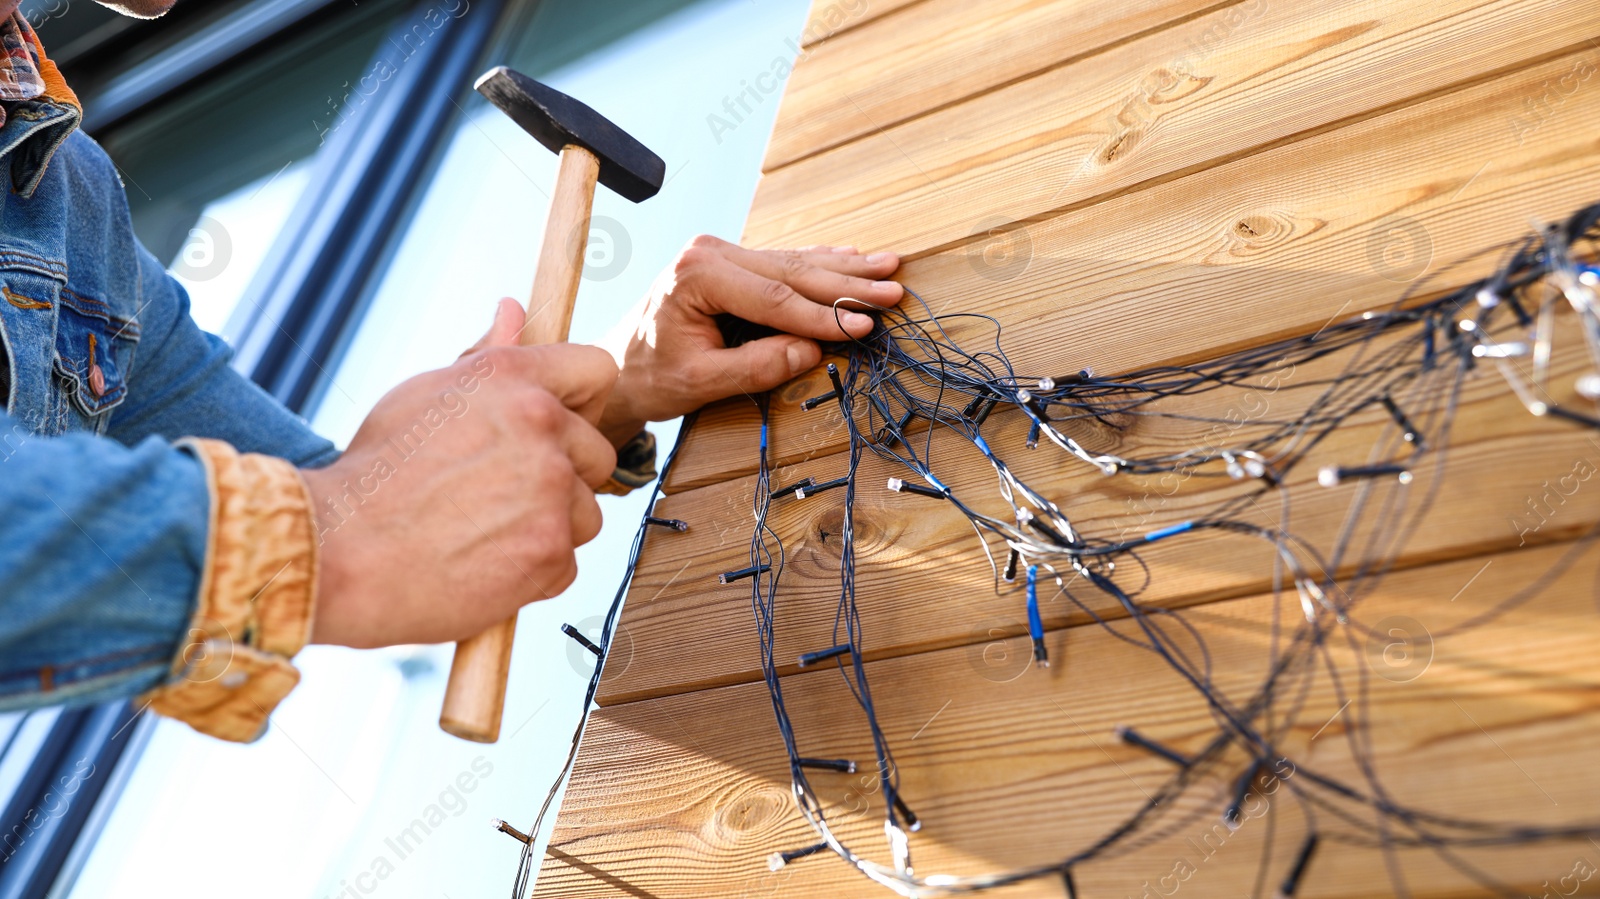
555 119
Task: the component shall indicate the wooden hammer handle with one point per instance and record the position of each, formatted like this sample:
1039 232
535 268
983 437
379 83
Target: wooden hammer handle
476 694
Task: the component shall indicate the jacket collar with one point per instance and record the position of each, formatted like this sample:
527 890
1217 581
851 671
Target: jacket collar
39 110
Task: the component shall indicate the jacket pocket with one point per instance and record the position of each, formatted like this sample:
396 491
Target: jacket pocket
92 351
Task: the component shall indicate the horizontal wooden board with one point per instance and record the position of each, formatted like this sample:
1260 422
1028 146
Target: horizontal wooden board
1080 133
896 68
922 576
687 795
1338 224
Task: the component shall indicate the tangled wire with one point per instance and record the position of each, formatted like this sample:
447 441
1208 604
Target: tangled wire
909 383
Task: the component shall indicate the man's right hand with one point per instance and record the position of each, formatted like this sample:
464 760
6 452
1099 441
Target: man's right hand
464 493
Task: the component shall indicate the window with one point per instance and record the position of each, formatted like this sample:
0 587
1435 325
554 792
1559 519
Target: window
355 789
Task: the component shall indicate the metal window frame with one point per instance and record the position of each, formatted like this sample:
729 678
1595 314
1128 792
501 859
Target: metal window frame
256 27
368 175
308 290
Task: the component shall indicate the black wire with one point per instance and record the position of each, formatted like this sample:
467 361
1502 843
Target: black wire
910 373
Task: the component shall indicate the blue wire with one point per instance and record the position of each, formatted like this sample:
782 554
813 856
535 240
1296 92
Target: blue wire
1035 624
1155 535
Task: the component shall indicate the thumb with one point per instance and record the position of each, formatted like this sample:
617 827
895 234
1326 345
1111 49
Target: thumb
764 364
506 327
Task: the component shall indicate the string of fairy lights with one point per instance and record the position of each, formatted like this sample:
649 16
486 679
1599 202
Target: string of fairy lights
1400 373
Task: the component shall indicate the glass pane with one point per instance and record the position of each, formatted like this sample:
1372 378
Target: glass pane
230 239
355 789
212 176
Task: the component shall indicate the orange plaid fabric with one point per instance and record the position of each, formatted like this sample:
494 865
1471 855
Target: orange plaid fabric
20 78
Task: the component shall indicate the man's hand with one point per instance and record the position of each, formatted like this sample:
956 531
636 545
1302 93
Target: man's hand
672 355
464 493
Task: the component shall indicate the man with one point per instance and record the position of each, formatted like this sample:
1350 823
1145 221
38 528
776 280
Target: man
169 531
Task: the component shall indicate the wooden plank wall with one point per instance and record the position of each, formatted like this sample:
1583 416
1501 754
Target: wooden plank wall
1124 184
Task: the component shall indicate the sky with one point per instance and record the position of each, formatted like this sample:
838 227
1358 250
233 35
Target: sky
327 804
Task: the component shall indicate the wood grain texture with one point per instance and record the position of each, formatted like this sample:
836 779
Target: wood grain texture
1129 185
893 69
916 554
1316 229
1124 118
475 694
686 796
830 18
561 250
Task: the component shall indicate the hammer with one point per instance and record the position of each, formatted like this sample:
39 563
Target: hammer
591 148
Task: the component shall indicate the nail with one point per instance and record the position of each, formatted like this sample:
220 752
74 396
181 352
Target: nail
887 287
846 250
855 321
879 258
797 360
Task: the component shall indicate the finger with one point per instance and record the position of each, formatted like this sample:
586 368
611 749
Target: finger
578 375
771 302
760 364
847 260
825 277
592 455
584 515
508 321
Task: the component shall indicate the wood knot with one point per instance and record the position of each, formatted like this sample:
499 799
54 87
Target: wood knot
819 553
747 813
810 384
1121 144
1259 232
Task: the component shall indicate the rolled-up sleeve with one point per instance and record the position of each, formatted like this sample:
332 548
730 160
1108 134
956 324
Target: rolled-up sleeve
101 554
175 561
183 574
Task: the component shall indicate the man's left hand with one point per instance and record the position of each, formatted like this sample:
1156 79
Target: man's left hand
672 355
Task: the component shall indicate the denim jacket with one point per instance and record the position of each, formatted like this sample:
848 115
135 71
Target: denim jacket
106 521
